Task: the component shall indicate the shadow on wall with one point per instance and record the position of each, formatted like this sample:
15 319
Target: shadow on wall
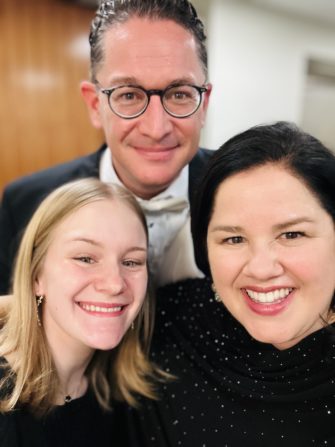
319 100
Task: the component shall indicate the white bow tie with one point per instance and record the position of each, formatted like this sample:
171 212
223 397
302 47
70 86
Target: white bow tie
165 217
172 204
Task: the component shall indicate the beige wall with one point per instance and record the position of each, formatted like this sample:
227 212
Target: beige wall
258 60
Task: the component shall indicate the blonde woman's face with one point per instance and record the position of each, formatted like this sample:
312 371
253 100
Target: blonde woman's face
94 276
271 249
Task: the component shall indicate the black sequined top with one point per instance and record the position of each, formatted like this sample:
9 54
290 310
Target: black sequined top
232 390
79 423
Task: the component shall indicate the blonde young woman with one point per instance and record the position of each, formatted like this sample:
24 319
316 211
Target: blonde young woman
75 337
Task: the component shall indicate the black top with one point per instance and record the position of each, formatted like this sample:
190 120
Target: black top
80 422
232 390
21 198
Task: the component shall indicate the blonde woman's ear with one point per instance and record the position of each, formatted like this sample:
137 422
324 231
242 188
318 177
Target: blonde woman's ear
5 302
38 288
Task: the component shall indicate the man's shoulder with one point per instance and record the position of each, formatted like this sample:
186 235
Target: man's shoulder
22 196
42 182
197 166
202 156
204 152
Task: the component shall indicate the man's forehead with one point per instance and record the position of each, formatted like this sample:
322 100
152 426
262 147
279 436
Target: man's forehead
116 80
141 49
157 35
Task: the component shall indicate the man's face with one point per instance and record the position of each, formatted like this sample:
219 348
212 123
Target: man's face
148 151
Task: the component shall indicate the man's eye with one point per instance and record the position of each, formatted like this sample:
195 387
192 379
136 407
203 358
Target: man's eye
128 96
181 95
124 97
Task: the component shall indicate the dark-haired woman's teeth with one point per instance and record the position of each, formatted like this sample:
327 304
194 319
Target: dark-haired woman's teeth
268 297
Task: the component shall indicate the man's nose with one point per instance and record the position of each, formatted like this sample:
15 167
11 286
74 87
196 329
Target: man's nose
110 280
155 122
263 263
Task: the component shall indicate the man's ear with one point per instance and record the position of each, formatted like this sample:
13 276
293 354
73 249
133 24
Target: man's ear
90 95
205 100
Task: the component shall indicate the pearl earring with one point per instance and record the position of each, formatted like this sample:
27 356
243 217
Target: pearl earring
216 295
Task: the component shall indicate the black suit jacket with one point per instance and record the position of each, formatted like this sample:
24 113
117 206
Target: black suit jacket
22 197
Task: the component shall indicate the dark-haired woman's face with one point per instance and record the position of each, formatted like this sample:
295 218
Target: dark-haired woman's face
271 249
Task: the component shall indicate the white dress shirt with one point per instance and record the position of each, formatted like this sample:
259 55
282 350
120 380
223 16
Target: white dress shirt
171 254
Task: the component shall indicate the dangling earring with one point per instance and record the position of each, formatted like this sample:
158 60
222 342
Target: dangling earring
39 300
132 326
216 295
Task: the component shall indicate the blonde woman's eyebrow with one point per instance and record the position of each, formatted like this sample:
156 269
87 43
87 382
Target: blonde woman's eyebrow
86 240
98 244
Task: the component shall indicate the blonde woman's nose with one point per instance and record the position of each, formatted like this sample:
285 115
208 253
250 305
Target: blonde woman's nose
110 280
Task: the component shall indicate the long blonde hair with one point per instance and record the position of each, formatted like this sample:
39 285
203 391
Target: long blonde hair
31 376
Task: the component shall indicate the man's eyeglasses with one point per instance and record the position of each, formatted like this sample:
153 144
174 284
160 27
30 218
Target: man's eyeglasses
129 101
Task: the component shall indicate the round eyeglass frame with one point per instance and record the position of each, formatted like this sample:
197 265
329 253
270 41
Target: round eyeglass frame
108 92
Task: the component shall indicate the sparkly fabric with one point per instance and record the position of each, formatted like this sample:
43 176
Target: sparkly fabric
232 390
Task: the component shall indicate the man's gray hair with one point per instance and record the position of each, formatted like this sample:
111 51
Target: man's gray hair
119 11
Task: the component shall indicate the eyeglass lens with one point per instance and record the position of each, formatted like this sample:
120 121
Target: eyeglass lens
178 100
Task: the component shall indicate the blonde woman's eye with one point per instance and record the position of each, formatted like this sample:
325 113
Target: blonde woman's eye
85 259
132 263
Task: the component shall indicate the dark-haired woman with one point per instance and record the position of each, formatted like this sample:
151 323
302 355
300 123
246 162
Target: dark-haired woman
253 344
